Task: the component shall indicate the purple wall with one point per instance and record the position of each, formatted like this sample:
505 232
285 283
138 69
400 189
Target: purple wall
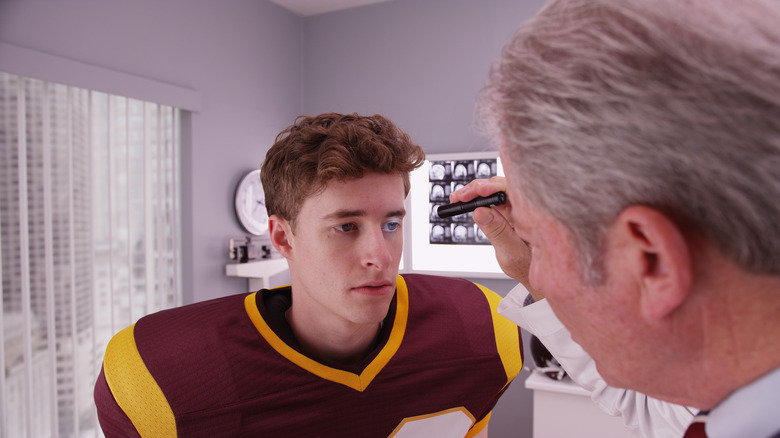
242 56
421 63
257 66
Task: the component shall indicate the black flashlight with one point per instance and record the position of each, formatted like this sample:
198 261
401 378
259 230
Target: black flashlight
449 210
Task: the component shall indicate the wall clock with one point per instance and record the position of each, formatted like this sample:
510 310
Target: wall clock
250 204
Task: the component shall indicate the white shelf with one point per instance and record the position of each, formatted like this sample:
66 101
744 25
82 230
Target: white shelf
538 381
258 272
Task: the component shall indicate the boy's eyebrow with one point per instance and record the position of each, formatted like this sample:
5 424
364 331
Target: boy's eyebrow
342 214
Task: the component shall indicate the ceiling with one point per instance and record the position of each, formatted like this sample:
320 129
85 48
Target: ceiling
306 8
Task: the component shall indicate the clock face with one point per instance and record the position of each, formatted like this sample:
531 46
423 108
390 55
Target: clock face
250 204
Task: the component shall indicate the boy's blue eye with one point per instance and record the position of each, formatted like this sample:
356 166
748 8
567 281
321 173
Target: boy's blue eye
392 226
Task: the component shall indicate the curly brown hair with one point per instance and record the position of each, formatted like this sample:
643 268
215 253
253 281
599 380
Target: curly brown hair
314 150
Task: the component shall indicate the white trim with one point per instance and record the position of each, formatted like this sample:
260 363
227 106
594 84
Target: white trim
148 213
24 255
160 216
97 344
111 116
129 214
72 256
31 63
176 232
3 398
48 245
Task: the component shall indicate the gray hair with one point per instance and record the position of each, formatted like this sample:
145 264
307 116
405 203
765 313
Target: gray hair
672 104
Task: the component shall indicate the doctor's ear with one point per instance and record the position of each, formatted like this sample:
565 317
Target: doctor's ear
657 255
281 235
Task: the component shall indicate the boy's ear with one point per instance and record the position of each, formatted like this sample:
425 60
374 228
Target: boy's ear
281 235
657 254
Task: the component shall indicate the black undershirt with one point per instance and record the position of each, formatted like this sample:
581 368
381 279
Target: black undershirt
272 305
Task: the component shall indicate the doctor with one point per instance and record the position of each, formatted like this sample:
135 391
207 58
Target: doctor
641 145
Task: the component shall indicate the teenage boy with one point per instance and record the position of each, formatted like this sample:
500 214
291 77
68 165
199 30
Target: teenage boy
349 348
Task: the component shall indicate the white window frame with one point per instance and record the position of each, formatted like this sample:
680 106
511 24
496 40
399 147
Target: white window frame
50 68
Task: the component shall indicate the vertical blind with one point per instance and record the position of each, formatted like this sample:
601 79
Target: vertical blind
89 242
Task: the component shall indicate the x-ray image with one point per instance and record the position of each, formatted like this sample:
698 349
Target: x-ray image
445 177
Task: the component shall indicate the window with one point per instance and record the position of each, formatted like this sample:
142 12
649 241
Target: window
89 242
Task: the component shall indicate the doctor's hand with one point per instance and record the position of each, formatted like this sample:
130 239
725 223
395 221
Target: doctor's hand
512 253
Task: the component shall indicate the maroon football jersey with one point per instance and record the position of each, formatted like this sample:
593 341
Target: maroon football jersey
217 369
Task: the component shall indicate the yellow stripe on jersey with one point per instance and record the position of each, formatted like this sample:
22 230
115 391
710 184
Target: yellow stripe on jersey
507 337
134 388
447 423
397 333
352 380
477 428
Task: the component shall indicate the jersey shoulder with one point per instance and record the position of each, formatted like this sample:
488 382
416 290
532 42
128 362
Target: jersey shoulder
145 359
467 311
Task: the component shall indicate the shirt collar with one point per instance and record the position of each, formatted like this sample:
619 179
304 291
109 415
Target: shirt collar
748 411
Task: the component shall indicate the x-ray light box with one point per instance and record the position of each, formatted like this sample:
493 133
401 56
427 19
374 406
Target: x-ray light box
452 246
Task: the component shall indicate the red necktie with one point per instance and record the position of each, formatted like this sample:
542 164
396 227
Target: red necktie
696 428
